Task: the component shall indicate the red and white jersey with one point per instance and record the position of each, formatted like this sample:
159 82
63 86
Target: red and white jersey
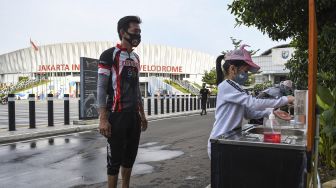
123 67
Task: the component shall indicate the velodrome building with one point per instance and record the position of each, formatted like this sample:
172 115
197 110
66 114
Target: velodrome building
60 61
156 60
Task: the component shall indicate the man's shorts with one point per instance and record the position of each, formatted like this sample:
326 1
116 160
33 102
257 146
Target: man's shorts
203 103
122 146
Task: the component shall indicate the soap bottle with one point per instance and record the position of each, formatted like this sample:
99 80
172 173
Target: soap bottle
272 130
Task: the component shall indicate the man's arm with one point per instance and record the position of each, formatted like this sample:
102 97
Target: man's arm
102 85
104 72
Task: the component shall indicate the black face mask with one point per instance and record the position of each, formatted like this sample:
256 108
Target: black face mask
134 39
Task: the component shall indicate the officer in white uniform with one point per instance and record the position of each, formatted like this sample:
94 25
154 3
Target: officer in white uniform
233 103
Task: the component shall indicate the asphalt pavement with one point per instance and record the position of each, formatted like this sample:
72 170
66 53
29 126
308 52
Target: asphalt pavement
172 154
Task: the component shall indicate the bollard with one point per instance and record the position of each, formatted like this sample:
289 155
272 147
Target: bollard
191 103
198 103
32 114
66 110
173 104
79 114
187 103
155 106
194 103
50 110
182 108
178 104
149 110
167 104
162 105
11 112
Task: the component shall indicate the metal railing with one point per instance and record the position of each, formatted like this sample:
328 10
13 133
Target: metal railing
153 106
185 84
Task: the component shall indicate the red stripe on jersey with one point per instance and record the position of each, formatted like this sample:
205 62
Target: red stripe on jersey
104 66
115 94
117 106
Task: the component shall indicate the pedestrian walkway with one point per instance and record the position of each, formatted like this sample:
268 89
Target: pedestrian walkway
24 133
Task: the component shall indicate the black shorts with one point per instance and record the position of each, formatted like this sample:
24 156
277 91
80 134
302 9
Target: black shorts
203 103
122 146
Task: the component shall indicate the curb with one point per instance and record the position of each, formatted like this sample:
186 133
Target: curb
79 126
45 133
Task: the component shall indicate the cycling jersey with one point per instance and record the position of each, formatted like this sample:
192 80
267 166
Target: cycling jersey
123 67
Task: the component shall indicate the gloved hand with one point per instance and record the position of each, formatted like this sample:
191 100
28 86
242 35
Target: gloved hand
282 115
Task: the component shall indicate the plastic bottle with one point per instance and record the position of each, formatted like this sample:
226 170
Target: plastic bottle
272 131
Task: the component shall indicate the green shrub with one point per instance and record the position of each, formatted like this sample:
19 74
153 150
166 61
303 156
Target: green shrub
327 146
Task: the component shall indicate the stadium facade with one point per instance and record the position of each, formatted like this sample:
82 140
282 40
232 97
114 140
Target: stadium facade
60 63
156 60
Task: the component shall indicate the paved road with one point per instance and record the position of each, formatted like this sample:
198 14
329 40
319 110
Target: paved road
172 154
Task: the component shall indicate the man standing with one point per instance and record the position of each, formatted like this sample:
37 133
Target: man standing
204 97
121 117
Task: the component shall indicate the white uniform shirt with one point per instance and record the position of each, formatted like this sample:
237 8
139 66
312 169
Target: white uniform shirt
233 103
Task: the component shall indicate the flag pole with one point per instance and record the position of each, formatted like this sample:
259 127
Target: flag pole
35 48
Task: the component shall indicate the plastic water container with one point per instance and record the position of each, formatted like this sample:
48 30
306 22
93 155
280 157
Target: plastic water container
272 129
300 107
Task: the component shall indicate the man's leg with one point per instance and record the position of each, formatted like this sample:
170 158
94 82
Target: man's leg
114 149
126 176
112 181
131 149
203 105
113 163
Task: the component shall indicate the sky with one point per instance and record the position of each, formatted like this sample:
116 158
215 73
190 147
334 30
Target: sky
200 25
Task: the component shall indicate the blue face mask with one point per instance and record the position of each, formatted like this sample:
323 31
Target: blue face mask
241 78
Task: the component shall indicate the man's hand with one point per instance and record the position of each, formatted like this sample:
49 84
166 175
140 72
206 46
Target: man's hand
105 128
290 99
144 123
104 124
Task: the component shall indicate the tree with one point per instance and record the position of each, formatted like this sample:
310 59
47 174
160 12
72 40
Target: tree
285 19
210 77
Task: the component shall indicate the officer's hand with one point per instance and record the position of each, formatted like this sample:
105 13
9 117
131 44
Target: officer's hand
105 128
290 99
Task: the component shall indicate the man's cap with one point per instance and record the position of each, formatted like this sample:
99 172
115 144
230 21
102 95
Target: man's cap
242 54
287 83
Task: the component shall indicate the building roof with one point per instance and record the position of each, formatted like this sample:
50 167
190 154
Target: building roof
269 51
